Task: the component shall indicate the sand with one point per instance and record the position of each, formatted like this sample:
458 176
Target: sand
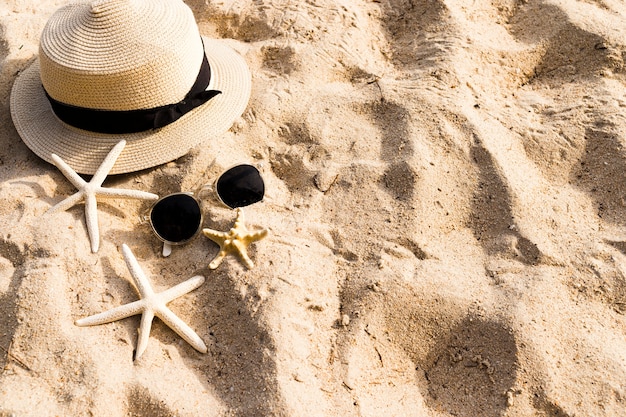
446 203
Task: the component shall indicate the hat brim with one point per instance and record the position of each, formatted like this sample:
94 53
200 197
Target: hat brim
84 151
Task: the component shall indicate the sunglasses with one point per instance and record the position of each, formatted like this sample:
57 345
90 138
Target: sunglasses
177 218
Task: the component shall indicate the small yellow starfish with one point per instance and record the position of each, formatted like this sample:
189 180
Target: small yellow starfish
236 240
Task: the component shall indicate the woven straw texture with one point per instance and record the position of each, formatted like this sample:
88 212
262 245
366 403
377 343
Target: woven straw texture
125 55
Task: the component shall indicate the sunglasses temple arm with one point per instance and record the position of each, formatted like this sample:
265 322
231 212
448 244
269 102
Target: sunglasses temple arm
167 249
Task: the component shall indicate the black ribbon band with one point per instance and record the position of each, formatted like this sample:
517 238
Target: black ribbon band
133 121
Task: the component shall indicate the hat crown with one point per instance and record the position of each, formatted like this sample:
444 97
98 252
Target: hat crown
101 6
120 54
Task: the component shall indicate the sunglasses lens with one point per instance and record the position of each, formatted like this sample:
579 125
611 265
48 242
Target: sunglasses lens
176 218
240 186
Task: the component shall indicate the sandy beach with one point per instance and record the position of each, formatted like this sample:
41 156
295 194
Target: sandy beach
446 206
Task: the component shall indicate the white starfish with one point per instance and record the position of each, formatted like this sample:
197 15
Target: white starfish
150 305
89 191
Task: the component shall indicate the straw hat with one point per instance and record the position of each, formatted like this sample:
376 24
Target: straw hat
127 69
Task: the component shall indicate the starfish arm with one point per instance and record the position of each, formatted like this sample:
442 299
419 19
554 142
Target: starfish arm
257 235
217 261
144 332
70 201
117 313
124 193
181 328
240 218
91 219
242 250
69 173
106 166
181 289
141 281
215 235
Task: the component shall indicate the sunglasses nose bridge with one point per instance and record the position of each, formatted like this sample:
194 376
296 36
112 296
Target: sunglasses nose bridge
205 190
